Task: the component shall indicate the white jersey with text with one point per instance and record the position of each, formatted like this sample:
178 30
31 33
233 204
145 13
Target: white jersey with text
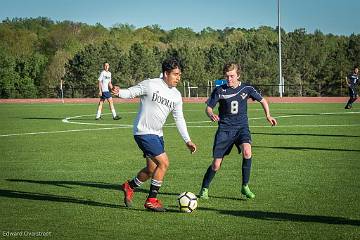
105 79
157 100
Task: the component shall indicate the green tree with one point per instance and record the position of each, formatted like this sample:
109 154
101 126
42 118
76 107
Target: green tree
82 72
143 64
12 84
354 49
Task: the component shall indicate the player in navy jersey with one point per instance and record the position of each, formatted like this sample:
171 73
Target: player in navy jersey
351 81
233 126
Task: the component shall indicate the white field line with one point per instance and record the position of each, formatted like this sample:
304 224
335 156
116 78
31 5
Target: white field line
214 125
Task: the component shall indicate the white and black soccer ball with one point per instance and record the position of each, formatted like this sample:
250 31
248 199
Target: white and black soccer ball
187 202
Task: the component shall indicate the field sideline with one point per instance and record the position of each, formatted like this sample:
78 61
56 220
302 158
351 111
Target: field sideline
60 172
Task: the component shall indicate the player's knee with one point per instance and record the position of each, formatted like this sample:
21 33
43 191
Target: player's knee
215 166
163 165
246 150
247 153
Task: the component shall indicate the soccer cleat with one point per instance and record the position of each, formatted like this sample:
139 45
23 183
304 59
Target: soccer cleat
128 192
117 117
154 204
204 193
348 107
98 118
245 190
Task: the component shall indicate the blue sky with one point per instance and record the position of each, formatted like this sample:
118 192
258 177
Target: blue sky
329 16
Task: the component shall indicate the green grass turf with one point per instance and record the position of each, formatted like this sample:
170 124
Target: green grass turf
64 178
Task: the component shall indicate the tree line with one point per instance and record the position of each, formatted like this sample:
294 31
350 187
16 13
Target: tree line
37 54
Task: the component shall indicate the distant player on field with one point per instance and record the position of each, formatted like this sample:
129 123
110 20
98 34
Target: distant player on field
158 97
351 81
104 93
233 127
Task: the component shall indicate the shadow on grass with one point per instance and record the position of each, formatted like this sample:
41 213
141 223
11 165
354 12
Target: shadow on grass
65 199
69 184
102 185
53 198
274 216
305 134
42 118
309 148
262 215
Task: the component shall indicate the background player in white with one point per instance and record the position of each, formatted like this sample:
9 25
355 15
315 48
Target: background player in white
104 93
233 125
158 97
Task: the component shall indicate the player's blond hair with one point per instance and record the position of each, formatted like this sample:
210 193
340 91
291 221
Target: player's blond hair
231 66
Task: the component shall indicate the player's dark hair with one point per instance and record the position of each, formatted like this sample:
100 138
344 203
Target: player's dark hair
170 64
231 66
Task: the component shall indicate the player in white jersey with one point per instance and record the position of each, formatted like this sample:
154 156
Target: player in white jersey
104 93
158 98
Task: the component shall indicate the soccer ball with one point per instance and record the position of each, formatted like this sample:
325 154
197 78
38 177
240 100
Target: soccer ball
187 202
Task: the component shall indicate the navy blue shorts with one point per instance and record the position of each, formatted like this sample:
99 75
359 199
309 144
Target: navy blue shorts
106 95
226 139
152 145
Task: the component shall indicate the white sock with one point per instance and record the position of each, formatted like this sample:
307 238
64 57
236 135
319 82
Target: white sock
98 114
113 112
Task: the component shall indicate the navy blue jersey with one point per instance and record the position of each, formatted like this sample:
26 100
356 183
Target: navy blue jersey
353 79
233 104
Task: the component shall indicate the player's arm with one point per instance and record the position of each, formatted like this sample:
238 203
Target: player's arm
347 81
210 113
265 106
110 85
132 92
100 83
100 88
191 146
211 103
182 128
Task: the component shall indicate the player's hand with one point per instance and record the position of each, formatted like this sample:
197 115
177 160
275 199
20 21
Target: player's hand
100 93
214 117
115 90
191 146
271 120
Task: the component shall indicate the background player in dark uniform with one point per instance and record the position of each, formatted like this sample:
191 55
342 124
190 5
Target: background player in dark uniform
233 126
351 81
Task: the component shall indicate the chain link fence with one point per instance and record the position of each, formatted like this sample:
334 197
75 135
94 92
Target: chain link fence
205 91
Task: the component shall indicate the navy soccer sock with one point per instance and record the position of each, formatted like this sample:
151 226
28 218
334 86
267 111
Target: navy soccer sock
353 100
348 104
154 188
246 168
209 175
135 183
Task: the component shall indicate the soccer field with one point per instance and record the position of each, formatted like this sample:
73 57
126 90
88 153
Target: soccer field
60 175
